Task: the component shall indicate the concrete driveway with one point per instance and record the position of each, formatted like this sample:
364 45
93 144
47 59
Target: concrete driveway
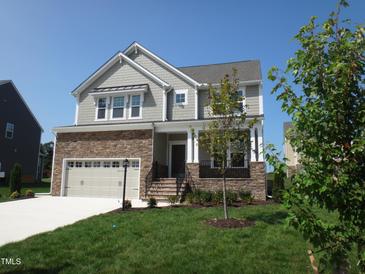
24 218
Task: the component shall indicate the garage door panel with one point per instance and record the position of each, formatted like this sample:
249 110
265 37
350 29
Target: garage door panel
86 180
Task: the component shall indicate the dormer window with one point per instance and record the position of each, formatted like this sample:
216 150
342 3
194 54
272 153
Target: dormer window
135 111
101 109
181 97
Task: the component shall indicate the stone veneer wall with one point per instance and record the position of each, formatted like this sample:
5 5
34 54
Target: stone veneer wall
107 144
256 184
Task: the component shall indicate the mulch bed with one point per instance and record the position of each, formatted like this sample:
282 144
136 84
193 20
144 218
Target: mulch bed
229 223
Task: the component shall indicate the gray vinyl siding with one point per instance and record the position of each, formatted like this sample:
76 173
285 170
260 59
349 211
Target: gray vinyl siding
120 75
252 102
174 112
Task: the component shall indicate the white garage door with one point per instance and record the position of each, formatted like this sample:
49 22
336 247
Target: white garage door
101 178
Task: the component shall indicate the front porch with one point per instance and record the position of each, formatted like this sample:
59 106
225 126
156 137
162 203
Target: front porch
179 161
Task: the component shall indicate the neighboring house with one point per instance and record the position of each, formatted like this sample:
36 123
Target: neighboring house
289 153
140 107
20 134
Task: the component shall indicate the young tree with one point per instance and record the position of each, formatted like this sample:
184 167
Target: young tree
328 132
16 178
47 151
227 126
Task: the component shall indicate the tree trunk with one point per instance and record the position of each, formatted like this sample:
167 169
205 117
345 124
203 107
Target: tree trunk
224 196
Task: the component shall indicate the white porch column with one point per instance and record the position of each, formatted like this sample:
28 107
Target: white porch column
260 131
189 153
196 146
253 144
164 105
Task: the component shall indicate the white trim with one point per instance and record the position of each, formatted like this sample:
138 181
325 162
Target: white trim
118 57
64 161
124 108
97 108
77 109
164 106
261 100
196 104
171 143
196 146
189 148
24 102
141 99
181 91
243 88
119 92
135 45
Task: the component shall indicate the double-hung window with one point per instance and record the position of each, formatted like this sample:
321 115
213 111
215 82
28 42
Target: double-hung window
135 111
181 97
101 109
9 131
118 107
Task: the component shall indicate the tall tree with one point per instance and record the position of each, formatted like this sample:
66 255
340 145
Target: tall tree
47 151
226 129
328 132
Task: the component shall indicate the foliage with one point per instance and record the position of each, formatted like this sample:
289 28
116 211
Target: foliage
127 204
46 150
152 202
272 157
29 193
189 197
16 178
232 197
245 196
217 197
173 199
329 134
226 127
14 195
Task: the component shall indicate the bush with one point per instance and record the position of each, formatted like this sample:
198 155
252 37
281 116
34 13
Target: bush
217 197
29 193
127 204
152 202
278 187
197 197
15 195
173 199
206 197
231 197
16 178
189 197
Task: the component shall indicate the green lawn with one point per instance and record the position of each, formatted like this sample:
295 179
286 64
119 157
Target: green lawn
42 187
169 240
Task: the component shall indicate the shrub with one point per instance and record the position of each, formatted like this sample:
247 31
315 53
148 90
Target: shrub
173 199
217 197
16 178
245 195
189 197
15 195
278 187
231 197
205 197
152 202
127 204
29 193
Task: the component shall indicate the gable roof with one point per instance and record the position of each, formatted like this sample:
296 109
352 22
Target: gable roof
119 56
162 62
213 73
3 82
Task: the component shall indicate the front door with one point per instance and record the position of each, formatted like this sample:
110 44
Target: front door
177 161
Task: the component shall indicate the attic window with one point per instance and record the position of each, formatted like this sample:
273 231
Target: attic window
181 96
9 131
101 109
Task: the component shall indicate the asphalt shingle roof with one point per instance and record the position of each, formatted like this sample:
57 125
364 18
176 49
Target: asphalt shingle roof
246 71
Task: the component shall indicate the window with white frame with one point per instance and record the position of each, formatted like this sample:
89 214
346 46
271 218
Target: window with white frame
106 164
118 107
78 164
70 164
115 164
135 111
96 164
181 97
135 163
9 131
87 164
101 108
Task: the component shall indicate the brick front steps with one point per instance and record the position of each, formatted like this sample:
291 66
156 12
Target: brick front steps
165 187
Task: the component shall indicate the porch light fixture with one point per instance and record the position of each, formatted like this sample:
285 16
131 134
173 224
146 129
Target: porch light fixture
125 165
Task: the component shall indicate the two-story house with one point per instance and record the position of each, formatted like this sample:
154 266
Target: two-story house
140 107
20 134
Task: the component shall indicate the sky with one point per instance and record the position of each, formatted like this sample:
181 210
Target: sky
49 47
